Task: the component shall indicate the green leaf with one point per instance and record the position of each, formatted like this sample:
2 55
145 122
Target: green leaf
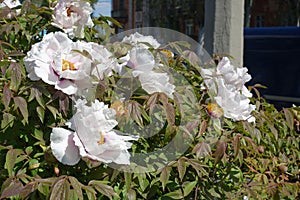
181 167
236 144
213 192
11 159
21 103
53 110
8 120
188 187
28 189
90 192
35 93
220 151
60 189
177 194
164 176
41 113
39 135
16 75
104 189
14 188
202 149
131 194
77 186
6 96
289 118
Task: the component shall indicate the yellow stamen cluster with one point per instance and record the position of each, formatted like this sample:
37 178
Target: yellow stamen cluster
102 139
69 11
214 110
66 65
168 53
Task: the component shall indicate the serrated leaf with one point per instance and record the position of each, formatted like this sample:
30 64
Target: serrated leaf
164 176
188 187
181 167
76 186
104 189
6 96
21 103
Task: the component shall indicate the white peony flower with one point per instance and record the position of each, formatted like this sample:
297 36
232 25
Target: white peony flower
235 105
139 40
10 3
58 61
140 60
72 16
7 7
93 137
156 82
104 62
226 85
143 63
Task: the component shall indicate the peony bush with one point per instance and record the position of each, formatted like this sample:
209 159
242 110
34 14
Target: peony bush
84 116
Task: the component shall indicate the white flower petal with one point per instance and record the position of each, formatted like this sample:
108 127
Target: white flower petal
63 146
156 82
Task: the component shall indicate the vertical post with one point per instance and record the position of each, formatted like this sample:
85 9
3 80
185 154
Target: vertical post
130 14
223 28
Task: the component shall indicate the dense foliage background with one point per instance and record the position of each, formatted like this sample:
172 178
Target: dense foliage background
255 160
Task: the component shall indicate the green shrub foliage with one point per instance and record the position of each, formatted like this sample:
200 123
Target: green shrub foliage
258 160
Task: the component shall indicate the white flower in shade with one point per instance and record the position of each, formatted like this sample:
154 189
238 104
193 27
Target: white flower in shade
7 8
140 60
103 60
226 85
72 16
58 61
93 137
10 3
156 82
141 41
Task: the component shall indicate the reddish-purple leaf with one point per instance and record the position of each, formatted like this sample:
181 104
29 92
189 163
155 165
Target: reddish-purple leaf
220 151
6 96
21 103
14 188
164 176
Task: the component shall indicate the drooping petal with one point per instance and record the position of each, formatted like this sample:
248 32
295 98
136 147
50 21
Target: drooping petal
156 82
63 146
